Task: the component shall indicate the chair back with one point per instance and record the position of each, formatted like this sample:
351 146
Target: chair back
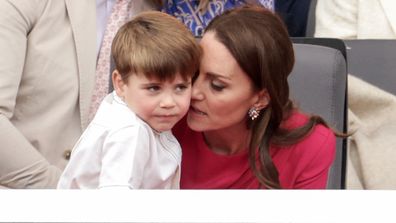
374 61
311 19
318 85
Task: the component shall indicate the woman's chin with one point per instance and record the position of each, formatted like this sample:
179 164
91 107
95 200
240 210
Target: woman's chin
196 122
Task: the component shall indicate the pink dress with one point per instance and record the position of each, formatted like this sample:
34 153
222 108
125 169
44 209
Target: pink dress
304 165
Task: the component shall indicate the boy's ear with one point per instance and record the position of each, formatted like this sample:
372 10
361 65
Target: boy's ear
118 83
262 100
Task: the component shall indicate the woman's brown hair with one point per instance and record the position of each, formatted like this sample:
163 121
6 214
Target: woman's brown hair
259 41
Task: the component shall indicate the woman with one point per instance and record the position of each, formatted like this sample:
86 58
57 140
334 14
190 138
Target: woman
242 130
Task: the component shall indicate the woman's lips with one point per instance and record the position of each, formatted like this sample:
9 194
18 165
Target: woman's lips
197 111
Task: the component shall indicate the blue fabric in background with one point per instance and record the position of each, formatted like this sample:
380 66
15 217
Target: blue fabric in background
187 12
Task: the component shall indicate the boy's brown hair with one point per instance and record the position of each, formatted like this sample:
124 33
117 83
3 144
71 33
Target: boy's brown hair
157 45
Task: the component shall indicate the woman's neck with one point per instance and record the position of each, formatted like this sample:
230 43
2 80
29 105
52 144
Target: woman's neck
228 141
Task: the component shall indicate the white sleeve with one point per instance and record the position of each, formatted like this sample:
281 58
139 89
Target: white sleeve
336 19
21 165
124 155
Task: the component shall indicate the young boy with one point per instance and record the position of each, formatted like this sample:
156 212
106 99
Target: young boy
129 143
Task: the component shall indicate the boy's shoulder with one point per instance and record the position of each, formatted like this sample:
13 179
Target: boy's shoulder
115 117
113 113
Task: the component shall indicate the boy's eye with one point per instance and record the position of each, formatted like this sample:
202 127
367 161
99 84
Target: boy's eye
182 87
153 88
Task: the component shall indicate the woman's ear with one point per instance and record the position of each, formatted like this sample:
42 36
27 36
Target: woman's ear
118 83
262 100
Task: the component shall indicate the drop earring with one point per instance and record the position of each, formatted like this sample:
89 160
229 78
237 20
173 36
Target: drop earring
253 113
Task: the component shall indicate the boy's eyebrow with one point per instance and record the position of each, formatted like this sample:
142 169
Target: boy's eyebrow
151 83
161 82
185 82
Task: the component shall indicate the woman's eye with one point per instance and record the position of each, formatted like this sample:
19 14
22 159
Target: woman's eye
217 86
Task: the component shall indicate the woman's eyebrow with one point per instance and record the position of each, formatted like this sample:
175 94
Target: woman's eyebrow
211 74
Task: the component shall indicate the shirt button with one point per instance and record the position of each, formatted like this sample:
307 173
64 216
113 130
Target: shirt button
67 154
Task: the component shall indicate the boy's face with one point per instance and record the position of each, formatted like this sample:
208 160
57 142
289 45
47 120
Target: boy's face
160 104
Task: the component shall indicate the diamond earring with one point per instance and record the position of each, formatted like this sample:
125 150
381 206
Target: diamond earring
253 113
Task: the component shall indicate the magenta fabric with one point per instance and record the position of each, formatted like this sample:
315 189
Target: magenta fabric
304 165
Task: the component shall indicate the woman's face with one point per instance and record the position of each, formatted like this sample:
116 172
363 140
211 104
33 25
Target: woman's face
222 93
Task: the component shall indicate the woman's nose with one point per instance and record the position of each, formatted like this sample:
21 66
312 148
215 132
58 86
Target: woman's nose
197 89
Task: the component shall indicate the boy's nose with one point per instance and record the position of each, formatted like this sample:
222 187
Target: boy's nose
168 101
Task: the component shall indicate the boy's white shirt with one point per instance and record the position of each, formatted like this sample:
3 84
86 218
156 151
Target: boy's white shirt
118 149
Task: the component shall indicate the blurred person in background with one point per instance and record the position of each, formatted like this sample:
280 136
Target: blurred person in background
371 159
196 14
